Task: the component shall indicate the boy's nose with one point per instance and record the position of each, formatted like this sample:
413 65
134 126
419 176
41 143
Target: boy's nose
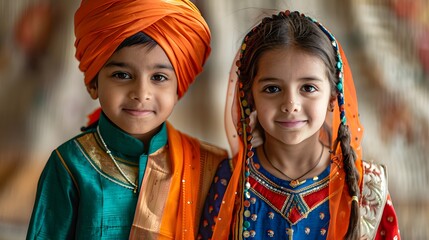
141 91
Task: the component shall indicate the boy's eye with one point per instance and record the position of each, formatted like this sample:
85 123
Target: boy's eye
271 89
309 88
122 75
159 77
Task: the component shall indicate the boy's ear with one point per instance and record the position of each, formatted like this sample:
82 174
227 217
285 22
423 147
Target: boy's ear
176 98
92 89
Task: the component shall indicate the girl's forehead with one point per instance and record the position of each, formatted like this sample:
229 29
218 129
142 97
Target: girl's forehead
289 62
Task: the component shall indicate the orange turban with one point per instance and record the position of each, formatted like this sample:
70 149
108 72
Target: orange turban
177 26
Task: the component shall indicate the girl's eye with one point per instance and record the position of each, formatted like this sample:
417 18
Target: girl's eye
122 75
271 89
159 78
309 88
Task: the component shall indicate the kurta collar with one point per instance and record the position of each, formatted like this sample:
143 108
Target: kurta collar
119 141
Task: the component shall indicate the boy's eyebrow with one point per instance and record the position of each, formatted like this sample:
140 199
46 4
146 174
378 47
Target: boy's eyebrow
167 66
116 64
123 64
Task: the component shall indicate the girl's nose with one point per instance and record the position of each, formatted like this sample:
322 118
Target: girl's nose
291 106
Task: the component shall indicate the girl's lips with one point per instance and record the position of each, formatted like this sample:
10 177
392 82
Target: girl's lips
291 124
138 112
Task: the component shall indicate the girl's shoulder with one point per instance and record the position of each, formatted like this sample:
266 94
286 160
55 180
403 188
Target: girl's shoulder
374 196
374 176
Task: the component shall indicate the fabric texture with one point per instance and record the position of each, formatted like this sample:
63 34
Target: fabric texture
184 202
82 195
273 206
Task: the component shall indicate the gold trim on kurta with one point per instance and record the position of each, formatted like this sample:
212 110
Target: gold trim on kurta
67 169
102 163
374 195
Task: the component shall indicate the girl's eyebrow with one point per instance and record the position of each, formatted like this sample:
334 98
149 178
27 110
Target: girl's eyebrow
311 78
266 79
271 79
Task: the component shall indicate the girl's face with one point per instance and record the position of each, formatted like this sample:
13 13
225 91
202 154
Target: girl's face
291 93
137 89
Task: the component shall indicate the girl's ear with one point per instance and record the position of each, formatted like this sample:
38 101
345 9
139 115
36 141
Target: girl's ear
92 89
331 104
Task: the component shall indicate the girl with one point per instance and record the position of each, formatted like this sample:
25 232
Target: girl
131 174
307 180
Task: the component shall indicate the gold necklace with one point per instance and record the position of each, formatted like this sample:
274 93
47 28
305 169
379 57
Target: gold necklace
115 162
294 182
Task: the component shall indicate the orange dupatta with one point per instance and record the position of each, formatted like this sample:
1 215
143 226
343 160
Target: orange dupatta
178 220
340 199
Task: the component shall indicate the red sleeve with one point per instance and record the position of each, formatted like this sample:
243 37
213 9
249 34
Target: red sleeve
388 228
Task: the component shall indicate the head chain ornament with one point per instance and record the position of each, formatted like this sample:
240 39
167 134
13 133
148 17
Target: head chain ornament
243 126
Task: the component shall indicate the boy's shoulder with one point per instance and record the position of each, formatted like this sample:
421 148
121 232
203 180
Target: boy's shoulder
87 134
215 151
206 149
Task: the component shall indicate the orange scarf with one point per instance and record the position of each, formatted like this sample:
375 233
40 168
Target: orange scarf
339 202
179 215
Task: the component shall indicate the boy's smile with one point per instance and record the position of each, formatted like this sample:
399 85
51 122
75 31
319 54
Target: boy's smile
137 89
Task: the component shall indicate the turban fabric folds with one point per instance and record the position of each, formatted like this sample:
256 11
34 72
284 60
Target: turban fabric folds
176 25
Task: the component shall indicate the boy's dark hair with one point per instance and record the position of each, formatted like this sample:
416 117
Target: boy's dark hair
297 31
138 38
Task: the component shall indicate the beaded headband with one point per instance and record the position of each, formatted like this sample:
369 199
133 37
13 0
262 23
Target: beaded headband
243 127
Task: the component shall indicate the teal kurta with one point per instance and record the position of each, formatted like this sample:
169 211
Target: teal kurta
82 195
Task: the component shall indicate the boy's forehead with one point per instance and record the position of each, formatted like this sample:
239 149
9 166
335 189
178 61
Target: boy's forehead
140 55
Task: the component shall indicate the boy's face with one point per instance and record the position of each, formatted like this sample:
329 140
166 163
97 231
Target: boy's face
137 89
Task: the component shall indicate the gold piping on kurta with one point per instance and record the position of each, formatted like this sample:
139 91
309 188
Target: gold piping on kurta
101 162
67 169
133 183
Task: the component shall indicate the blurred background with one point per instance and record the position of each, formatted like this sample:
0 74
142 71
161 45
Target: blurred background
43 101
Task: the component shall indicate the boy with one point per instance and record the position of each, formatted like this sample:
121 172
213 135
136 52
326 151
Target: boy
131 174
